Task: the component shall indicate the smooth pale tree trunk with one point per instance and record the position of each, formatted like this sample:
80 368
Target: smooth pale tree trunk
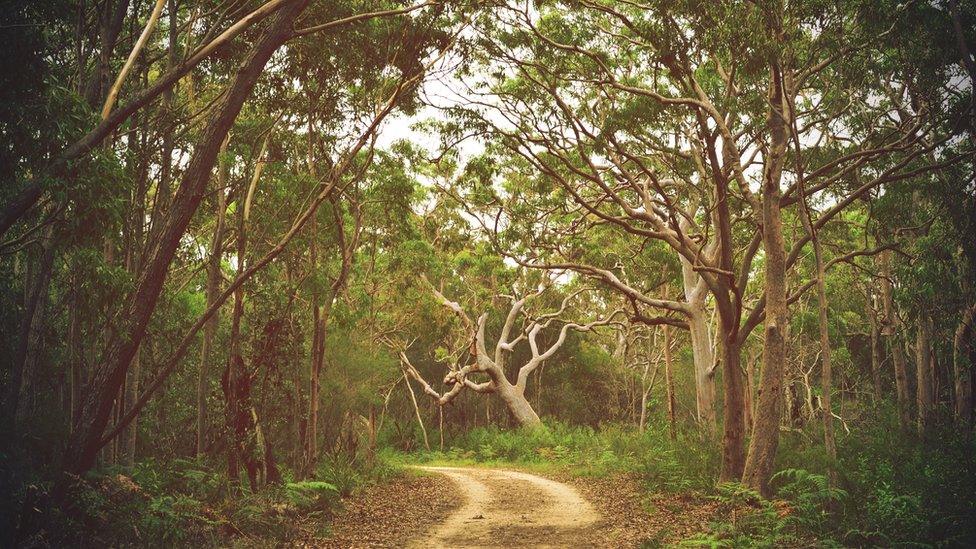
113 92
669 382
701 346
962 367
890 331
765 431
925 384
516 403
96 406
416 409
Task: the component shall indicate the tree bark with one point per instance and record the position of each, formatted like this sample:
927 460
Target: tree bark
669 382
35 300
96 407
890 331
701 346
877 356
733 432
830 444
765 432
416 409
248 445
962 367
516 403
212 291
113 92
925 386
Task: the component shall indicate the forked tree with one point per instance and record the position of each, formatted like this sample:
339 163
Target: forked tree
485 373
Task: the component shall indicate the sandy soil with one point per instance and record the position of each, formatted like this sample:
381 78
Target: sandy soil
514 509
479 507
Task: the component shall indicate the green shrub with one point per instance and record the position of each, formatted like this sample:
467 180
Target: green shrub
312 495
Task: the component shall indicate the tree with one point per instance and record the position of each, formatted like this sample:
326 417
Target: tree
494 365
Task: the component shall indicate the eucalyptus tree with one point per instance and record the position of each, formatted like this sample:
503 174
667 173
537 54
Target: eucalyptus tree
169 150
702 130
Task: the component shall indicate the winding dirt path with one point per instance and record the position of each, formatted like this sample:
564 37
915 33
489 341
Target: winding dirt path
511 509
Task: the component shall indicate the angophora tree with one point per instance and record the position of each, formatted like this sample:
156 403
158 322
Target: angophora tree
494 365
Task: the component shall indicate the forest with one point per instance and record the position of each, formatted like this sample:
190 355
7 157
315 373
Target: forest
487 273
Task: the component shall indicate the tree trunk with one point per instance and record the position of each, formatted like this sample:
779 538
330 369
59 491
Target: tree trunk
962 367
235 381
212 291
925 387
701 347
519 408
890 331
669 382
416 409
830 445
28 342
320 320
134 244
733 427
765 431
749 404
96 406
877 357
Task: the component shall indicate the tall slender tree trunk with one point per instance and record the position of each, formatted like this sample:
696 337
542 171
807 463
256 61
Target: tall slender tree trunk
416 409
96 407
669 382
750 404
877 356
235 384
765 432
962 367
248 445
28 342
925 386
890 329
830 444
320 321
212 292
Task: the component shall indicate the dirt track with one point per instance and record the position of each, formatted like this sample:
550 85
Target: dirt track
511 509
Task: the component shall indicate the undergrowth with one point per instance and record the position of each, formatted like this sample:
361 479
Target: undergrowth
185 502
892 490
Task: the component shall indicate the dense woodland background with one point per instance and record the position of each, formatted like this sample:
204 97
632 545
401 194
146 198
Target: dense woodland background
256 254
